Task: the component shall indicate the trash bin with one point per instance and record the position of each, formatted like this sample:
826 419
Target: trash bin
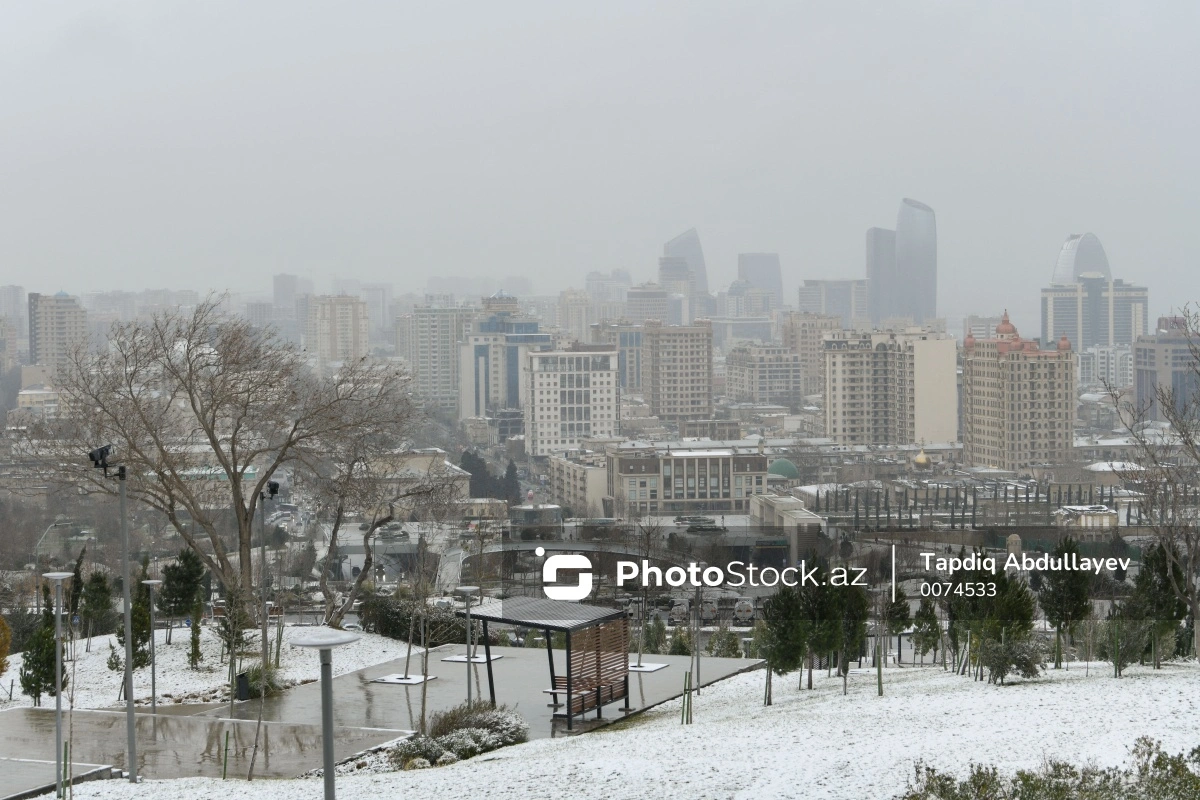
243 686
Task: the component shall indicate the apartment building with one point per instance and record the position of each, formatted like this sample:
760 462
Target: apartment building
804 333
758 373
579 481
890 388
57 324
1018 401
337 329
677 364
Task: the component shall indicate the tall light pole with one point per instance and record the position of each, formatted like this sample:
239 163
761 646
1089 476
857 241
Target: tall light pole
150 584
467 591
325 639
99 458
58 578
270 492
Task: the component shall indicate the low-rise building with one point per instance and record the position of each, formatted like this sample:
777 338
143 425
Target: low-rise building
686 476
579 481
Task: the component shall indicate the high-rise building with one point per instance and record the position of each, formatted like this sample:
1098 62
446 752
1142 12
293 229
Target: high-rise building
803 333
677 370
757 373
337 329
916 262
890 388
570 395
57 325
492 354
627 338
646 301
845 299
1018 401
881 273
1105 367
1085 304
430 343
687 246
574 316
378 297
1165 362
762 271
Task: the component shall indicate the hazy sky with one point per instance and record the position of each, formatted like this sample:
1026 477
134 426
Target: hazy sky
213 144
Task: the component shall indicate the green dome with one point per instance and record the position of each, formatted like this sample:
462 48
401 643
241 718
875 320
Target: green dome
784 468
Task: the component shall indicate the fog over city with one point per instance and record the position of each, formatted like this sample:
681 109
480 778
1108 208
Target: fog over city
185 145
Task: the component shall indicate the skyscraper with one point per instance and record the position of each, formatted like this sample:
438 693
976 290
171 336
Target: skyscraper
916 262
1086 305
881 273
687 246
762 271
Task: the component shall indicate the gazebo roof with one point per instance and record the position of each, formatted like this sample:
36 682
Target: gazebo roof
542 614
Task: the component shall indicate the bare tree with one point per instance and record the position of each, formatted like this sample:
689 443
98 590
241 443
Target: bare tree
364 478
203 410
1165 431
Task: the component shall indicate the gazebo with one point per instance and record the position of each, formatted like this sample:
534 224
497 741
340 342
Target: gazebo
597 649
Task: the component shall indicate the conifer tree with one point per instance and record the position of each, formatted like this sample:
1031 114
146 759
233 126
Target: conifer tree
1064 597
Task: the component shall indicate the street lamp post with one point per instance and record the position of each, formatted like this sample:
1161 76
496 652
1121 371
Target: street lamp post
151 584
466 592
99 458
58 578
324 640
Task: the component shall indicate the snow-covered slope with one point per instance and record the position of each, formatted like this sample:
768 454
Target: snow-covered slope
808 744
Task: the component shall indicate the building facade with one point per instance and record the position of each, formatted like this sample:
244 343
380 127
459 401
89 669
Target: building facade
677 376
1018 401
57 325
570 395
493 355
579 481
762 271
848 300
429 340
337 329
804 334
1165 365
685 477
915 282
627 337
646 301
1095 312
756 373
890 388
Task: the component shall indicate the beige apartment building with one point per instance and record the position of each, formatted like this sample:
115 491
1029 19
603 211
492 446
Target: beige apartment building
1018 401
804 334
57 323
890 388
677 370
429 340
579 481
757 373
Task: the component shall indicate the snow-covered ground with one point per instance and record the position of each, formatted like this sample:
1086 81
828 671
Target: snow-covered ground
808 744
93 685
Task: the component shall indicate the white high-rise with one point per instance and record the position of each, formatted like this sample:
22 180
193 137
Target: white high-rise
570 395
